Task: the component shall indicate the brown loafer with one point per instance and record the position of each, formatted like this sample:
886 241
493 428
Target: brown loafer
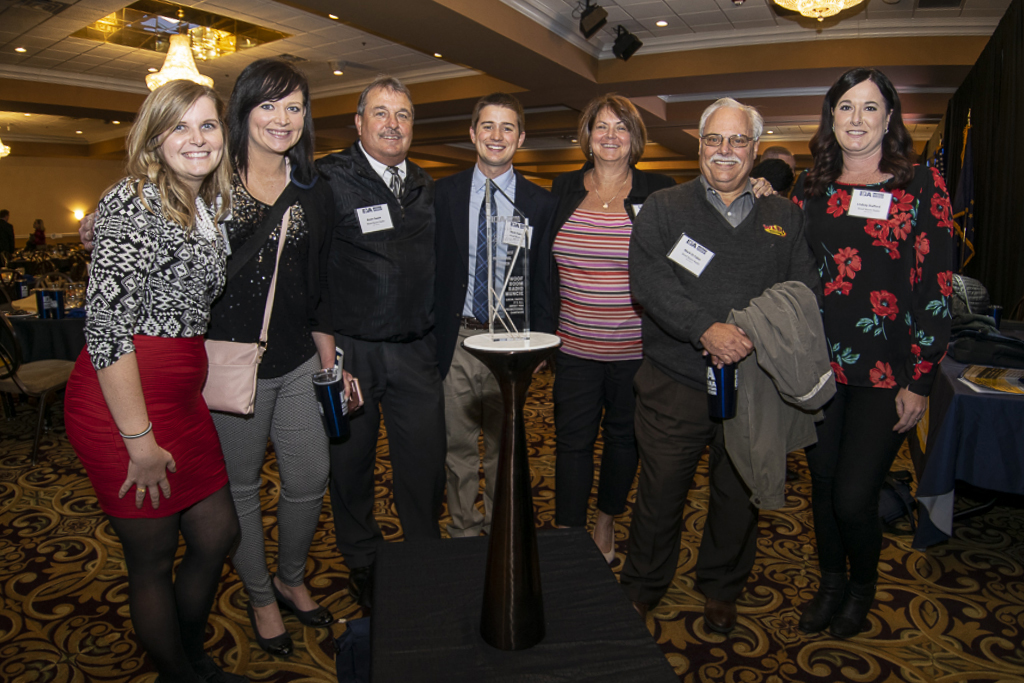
720 616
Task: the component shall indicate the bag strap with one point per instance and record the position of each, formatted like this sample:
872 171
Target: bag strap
256 241
273 281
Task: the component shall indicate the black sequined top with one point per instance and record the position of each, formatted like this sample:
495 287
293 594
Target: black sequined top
238 314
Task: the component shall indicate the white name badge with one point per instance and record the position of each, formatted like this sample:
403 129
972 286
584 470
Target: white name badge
517 234
868 204
691 254
374 218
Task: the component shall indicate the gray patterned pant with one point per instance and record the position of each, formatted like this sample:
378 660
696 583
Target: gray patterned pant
287 413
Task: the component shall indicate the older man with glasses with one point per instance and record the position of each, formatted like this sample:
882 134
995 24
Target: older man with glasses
698 251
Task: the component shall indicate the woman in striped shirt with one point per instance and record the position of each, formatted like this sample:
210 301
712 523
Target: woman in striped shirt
598 322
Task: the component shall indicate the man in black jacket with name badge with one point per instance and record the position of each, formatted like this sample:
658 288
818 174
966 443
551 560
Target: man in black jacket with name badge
380 281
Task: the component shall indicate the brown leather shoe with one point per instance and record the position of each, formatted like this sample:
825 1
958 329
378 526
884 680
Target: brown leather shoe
720 616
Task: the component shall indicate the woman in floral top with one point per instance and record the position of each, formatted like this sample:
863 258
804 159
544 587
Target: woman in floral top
881 231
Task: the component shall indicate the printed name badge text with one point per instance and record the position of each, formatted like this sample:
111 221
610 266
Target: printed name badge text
516 232
869 204
691 254
374 218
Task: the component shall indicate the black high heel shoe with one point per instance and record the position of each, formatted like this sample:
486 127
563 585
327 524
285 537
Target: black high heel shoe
321 616
279 646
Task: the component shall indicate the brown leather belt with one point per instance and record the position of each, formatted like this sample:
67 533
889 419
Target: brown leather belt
471 323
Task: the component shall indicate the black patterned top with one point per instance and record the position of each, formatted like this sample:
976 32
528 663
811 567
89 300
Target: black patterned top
886 282
148 276
238 314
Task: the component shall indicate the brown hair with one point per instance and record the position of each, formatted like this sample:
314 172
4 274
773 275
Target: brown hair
159 114
500 99
627 113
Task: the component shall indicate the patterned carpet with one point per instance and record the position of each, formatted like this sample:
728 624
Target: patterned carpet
954 614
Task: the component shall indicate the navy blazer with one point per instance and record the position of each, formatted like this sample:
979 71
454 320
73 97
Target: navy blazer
451 239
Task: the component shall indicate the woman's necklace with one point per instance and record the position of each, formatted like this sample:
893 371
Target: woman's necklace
204 224
593 180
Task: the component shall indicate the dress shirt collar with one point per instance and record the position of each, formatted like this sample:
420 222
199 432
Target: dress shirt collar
506 182
382 169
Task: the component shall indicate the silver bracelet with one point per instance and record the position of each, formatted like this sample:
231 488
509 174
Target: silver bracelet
141 434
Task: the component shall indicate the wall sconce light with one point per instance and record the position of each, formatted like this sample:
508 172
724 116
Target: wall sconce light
79 214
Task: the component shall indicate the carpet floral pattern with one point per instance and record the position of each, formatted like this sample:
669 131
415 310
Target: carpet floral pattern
952 614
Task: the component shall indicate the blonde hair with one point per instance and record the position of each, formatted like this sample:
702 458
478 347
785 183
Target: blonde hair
159 114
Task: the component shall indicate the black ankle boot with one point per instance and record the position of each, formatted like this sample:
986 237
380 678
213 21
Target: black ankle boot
849 620
825 603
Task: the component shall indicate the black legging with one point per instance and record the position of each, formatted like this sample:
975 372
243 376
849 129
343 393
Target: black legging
856 447
170 613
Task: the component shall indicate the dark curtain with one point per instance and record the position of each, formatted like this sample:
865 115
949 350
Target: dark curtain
993 93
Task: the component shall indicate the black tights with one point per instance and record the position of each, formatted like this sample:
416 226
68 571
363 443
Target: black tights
856 447
170 614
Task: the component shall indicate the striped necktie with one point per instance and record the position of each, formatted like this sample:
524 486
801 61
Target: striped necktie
396 181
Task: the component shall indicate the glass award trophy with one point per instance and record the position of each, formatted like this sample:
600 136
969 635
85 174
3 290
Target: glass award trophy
508 267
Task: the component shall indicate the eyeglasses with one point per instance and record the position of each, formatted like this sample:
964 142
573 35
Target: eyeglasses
716 140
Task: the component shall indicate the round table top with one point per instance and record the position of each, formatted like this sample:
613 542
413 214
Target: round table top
536 342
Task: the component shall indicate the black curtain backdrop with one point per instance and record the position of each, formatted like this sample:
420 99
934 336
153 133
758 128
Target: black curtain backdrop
993 92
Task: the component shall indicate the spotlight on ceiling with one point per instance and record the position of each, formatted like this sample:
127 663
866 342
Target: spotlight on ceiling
592 18
626 44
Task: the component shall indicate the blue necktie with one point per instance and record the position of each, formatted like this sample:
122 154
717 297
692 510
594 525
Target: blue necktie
480 284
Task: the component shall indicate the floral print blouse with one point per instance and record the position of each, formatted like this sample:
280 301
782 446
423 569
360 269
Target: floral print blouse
886 282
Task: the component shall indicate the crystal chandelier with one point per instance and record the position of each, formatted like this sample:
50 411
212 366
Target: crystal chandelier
179 65
817 9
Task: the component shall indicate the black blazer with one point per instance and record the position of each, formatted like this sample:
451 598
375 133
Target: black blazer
451 239
571 192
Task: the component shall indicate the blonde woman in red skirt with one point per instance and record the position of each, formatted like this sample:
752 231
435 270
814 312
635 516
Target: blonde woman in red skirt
133 409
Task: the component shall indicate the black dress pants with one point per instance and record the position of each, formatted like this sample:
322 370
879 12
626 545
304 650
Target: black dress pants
672 431
401 380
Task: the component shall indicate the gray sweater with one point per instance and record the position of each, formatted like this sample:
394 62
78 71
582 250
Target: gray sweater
767 248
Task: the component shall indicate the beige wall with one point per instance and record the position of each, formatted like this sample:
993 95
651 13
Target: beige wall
51 189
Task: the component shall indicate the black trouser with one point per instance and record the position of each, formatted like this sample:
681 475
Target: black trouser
672 431
403 380
855 449
584 389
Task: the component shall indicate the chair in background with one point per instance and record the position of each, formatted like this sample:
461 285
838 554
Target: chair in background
39 379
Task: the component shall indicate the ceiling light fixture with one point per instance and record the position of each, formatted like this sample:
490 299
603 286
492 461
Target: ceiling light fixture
179 65
20 49
438 55
592 18
335 67
661 24
626 44
817 9
332 16
4 149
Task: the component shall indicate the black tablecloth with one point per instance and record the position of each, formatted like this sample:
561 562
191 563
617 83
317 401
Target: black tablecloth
426 618
48 339
976 438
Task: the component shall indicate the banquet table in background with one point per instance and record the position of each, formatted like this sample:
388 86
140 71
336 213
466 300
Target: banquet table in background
426 618
972 437
61 339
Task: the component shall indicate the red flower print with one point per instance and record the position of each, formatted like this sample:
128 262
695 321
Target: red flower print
940 207
884 305
876 229
838 203
921 246
892 248
881 376
915 275
945 279
915 350
848 262
901 226
921 367
837 370
901 202
838 285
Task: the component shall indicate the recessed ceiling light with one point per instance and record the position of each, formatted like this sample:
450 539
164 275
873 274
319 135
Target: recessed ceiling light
661 23
116 123
78 132
20 49
153 69
332 16
770 132
28 114
339 72
438 55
